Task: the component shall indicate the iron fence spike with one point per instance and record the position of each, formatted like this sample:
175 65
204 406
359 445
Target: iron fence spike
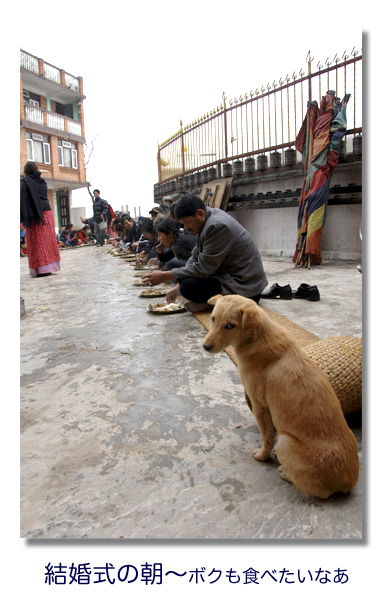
330 65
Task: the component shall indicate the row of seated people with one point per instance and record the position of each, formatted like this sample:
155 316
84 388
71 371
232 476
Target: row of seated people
158 241
71 238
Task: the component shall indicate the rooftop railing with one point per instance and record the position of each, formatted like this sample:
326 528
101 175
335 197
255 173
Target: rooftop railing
48 71
29 62
262 121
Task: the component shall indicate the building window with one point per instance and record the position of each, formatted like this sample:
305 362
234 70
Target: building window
65 110
31 98
68 154
38 148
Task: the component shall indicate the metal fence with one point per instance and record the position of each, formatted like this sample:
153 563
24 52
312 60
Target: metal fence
262 121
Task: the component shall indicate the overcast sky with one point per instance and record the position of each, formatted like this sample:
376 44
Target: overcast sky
146 69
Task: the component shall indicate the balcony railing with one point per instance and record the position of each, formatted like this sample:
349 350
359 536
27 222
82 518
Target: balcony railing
38 115
34 114
71 82
266 120
74 127
29 62
55 121
50 72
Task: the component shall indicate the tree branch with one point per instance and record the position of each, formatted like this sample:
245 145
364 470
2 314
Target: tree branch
87 162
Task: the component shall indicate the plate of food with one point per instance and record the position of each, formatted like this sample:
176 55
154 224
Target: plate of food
154 292
165 308
140 273
140 283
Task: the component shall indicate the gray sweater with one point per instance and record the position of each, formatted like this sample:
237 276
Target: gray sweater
226 251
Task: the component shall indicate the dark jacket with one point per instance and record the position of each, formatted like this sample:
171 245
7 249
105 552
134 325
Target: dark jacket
132 235
226 251
33 199
100 207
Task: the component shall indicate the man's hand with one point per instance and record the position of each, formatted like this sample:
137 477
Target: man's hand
154 277
172 295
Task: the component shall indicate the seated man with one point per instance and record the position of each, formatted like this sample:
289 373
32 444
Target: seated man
132 234
224 260
147 240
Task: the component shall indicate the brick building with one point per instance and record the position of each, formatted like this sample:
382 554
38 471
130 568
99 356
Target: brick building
52 130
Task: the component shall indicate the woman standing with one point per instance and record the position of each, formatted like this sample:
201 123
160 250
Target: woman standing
36 215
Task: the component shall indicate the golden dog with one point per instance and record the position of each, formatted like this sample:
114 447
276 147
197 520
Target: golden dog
288 392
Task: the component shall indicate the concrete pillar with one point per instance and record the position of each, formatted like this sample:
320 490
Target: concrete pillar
54 156
81 166
23 150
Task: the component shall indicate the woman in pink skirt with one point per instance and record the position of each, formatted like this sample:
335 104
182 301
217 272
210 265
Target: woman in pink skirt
35 213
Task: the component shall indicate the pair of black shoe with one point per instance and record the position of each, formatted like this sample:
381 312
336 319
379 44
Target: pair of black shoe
304 291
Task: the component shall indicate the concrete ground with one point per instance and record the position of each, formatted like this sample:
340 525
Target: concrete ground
129 429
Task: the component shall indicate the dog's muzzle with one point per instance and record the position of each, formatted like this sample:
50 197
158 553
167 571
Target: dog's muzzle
207 347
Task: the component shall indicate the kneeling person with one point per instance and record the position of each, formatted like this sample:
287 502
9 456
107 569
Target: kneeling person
224 260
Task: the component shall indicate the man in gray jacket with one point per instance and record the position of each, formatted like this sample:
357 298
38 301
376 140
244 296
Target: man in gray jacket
224 260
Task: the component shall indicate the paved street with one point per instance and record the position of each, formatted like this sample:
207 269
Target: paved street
129 429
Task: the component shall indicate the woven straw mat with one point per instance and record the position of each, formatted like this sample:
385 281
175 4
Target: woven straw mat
340 358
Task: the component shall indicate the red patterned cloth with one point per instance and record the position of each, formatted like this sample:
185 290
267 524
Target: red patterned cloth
42 246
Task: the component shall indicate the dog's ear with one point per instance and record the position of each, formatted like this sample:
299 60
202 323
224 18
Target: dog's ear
251 317
213 300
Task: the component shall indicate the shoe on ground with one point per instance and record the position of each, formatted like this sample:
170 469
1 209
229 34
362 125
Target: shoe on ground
359 267
194 307
275 291
307 292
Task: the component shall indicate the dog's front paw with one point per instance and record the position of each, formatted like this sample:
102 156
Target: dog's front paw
261 454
